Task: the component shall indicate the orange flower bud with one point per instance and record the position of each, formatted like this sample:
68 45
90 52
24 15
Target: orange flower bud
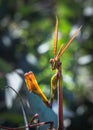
33 86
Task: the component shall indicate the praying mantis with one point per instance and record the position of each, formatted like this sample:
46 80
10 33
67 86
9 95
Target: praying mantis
56 80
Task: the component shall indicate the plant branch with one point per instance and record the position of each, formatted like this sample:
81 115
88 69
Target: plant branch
28 126
60 105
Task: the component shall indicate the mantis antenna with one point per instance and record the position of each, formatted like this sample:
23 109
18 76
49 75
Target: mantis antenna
63 48
55 37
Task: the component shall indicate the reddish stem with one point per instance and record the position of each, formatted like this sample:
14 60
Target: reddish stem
60 105
29 126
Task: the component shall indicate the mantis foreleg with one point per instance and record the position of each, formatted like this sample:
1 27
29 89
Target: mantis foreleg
54 81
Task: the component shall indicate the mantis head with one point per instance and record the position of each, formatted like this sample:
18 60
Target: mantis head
55 63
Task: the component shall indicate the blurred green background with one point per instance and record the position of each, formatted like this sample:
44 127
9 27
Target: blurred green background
26 44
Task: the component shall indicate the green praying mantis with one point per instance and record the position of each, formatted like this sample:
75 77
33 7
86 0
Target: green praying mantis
55 63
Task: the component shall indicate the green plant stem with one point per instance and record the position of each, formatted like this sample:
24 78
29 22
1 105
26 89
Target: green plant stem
60 105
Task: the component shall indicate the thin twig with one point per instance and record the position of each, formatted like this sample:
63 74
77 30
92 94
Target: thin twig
27 126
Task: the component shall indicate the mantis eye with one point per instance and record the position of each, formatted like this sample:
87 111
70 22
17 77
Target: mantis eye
51 61
53 64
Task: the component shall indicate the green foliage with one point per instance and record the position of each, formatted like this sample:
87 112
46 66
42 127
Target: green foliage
14 117
5 67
